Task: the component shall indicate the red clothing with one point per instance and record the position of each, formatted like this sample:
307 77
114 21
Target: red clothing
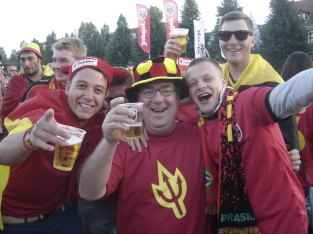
35 187
162 188
40 85
14 92
274 191
305 134
184 112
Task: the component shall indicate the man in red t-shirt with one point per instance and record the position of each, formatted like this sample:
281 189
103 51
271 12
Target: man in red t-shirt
34 194
65 51
256 189
161 189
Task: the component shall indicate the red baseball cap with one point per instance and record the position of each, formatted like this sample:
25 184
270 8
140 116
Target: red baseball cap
96 63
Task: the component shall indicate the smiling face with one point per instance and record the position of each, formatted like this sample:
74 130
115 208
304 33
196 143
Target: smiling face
159 112
205 83
86 93
237 52
59 59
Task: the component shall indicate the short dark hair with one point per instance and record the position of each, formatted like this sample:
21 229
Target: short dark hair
120 82
8 65
205 59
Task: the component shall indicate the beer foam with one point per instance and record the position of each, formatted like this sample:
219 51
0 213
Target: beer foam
74 140
136 124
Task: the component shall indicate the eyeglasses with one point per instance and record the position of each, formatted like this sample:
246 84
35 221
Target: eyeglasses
13 71
240 35
164 91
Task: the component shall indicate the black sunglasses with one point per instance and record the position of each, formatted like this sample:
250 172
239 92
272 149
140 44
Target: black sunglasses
240 35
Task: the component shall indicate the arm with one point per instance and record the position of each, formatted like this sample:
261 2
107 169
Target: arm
12 147
93 175
170 49
292 96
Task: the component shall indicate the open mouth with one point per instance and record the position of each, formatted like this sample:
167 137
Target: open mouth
158 110
204 97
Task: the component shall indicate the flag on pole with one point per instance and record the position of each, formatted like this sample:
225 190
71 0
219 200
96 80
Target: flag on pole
143 14
198 37
171 13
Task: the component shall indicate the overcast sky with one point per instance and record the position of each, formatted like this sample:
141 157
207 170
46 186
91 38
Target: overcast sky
28 19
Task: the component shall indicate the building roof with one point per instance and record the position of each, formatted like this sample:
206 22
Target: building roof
306 6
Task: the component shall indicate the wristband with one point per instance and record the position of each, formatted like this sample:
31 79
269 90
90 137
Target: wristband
26 141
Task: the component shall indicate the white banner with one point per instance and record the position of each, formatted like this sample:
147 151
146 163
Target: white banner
199 37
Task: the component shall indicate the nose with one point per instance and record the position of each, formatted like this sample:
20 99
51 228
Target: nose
201 84
233 39
89 94
158 98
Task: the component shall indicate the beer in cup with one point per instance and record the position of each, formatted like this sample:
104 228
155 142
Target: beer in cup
182 34
135 129
64 157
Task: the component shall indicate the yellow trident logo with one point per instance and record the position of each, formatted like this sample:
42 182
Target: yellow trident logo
171 191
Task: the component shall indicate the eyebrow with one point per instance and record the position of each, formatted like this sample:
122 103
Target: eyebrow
85 82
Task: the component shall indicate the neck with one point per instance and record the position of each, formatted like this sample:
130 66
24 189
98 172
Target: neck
237 69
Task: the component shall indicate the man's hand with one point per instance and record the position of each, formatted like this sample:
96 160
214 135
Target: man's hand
114 123
135 143
295 160
47 130
170 49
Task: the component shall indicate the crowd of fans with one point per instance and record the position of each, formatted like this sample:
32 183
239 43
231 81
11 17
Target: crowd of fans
241 164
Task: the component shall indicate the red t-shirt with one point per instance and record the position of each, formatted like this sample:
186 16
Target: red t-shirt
35 187
275 193
305 134
162 188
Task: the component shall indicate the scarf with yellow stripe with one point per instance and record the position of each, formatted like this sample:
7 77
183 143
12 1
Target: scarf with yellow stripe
258 73
235 212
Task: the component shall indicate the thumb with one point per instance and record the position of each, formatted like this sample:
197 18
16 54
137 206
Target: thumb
117 101
49 116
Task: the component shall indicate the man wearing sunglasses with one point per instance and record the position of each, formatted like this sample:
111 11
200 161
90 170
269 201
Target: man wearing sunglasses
243 69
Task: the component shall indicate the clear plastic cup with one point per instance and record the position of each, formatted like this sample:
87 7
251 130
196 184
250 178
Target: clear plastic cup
64 157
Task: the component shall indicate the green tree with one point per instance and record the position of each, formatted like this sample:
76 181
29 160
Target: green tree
118 49
282 34
104 38
42 51
3 56
90 36
137 54
158 32
66 35
213 45
189 13
50 40
14 58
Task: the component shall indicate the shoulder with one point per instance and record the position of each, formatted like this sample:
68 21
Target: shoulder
47 71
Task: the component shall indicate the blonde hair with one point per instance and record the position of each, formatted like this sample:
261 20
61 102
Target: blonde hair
73 44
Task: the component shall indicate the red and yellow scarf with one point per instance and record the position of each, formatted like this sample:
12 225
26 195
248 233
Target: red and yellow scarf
229 191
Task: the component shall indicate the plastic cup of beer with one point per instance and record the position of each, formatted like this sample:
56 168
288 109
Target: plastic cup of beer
64 157
182 34
135 129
